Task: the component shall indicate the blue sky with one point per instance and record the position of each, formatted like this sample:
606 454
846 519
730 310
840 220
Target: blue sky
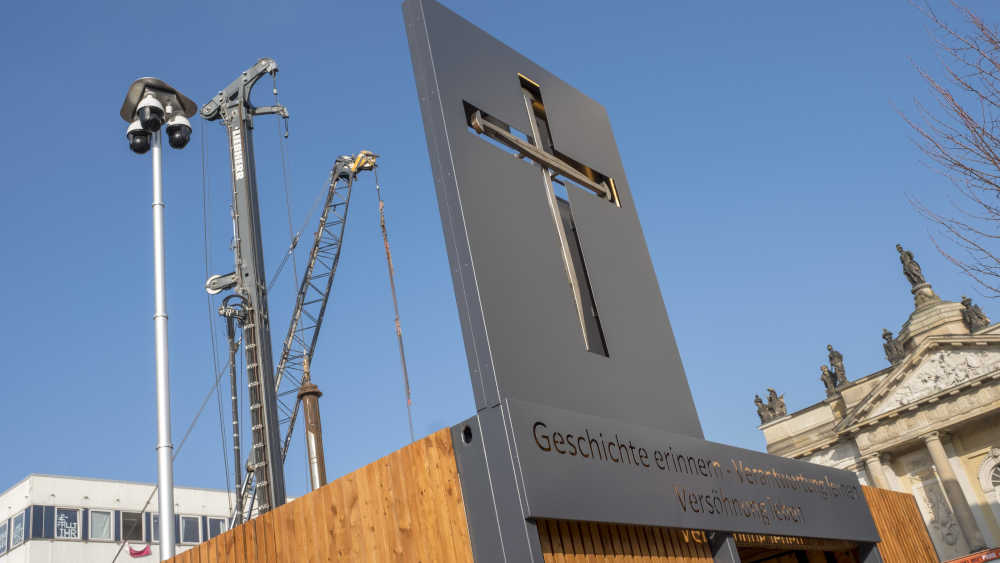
761 140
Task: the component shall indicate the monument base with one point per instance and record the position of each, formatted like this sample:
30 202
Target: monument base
409 506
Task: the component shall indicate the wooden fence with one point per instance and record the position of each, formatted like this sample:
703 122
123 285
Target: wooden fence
408 507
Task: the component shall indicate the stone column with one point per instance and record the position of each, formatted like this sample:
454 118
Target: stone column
963 514
876 472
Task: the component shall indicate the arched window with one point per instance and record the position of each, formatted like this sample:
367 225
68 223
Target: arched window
989 472
989 480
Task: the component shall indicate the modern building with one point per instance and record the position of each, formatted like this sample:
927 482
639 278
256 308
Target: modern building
80 520
927 424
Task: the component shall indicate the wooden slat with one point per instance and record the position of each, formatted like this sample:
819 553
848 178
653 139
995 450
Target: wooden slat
206 552
289 545
409 470
256 531
227 548
314 518
901 527
265 530
342 520
595 537
249 548
572 542
409 542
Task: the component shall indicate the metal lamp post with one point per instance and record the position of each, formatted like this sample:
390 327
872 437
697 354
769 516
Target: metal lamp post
149 104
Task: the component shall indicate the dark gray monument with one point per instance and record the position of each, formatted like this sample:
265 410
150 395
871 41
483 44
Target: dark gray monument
583 408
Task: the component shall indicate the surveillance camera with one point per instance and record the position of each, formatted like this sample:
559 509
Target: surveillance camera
150 113
138 138
178 131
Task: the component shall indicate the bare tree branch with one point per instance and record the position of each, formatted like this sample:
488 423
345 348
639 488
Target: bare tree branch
960 137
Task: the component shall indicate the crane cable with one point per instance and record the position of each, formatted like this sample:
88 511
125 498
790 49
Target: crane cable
177 450
395 302
205 228
293 238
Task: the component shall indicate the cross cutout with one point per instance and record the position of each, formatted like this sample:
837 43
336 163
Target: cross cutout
557 169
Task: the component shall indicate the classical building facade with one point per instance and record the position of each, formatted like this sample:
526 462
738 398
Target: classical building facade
928 424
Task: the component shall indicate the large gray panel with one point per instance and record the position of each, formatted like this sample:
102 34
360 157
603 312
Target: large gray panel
579 467
519 318
527 355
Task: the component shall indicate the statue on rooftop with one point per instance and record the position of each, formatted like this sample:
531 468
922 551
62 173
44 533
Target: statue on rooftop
973 316
893 348
837 365
776 403
911 269
763 412
829 380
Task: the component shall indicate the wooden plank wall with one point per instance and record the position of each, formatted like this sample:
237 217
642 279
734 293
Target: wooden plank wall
406 506
578 542
901 527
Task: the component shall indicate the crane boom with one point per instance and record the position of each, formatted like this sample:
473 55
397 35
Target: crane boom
314 289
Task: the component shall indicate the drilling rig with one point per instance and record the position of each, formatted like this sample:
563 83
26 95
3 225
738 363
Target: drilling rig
232 105
273 393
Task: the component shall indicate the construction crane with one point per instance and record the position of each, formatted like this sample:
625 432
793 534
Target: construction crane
314 290
276 395
309 312
232 106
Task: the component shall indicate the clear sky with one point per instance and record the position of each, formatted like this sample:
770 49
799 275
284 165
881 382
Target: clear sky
761 140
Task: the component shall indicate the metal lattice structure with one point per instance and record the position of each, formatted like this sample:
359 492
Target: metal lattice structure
310 303
314 290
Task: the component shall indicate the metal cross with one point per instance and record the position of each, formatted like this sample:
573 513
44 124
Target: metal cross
556 169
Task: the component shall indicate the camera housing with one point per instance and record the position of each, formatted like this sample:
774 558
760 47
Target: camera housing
150 113
178 131
139 139
149 104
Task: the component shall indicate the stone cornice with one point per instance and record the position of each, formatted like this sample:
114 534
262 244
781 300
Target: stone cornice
854 418
939 416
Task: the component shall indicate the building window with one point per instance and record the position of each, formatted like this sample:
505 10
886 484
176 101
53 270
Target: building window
100 525
67 524
3 537
190 529
216 526
132 526
17 530
155 523
989 472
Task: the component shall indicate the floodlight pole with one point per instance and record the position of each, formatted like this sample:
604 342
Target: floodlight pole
164 447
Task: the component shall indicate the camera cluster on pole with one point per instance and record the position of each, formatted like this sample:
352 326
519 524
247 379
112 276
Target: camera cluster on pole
149 104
